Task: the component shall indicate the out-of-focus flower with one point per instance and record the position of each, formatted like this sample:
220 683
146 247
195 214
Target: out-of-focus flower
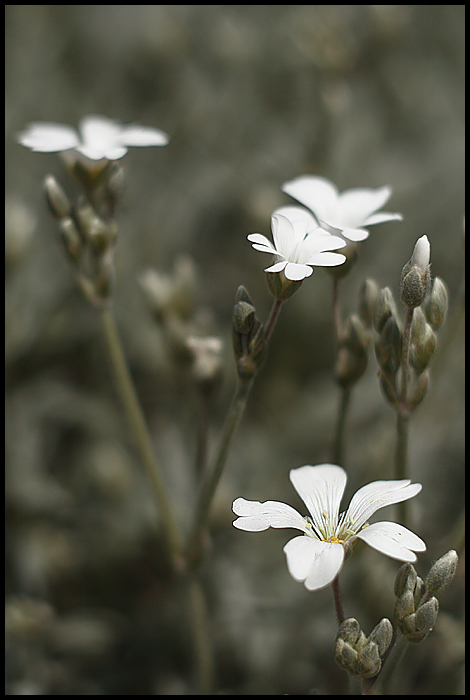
298 247
97 138
348 212
317 556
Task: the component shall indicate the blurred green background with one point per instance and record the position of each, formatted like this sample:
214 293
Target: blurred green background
251 95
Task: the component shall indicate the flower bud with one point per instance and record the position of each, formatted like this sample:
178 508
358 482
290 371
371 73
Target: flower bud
419 625
442 572
345 655
350 630
57 200
368 297
368 662
437 304
419 390
71 239
243 317
422 350
385 307
382 635
388 347
405 579
280 286
416 276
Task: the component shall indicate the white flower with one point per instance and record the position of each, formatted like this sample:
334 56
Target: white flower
298 246
348 211
98 138
317 556
421 253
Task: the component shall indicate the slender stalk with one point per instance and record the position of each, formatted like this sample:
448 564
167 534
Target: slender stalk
136 419
380 686
212 479
232 421
403 416
202 647
338 601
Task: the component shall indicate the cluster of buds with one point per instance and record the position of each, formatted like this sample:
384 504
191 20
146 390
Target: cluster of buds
89 237
360 655
427 305
416 607
186 326
351 361
247 336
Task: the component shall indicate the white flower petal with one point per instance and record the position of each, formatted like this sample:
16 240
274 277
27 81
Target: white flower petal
256 516
317 193
312 561
421 253
296 271
277 267
326 567
321 489
393 540
296 214
355 234
260 242
376 495
47 137
357 204
143 136
326 259
381 217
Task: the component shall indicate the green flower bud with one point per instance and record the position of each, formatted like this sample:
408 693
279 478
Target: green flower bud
388 347
280 286
350 631
419 625
404 607
368 297
385 307
368 662
422 350
345 655
243 317
57 200
415 276
437 304
382 635
71 239
442 572
419 390
405 579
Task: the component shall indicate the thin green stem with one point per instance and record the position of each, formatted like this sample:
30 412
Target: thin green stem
211 481
136 419
403 416
338 602
202 646
394 657
232 421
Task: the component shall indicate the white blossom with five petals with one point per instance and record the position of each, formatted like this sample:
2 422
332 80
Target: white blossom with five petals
298 247
316 557
348 212
98 138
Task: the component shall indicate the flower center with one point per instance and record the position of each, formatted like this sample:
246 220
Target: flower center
336 530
